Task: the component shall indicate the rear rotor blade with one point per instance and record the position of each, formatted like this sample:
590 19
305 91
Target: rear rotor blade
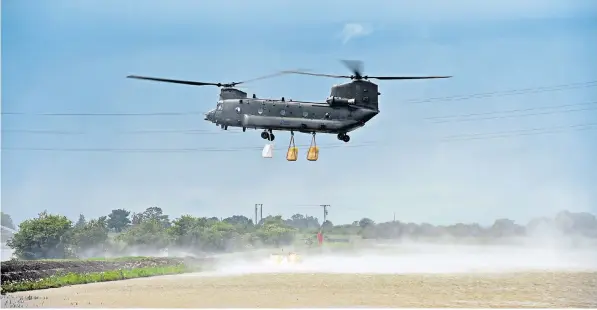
406 77
356 66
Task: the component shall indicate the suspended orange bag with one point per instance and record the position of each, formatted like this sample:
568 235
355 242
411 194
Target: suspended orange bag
292 153
313 153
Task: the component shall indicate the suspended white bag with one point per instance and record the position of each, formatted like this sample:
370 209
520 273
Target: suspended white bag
268 151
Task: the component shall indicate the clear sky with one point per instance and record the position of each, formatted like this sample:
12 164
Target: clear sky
73 56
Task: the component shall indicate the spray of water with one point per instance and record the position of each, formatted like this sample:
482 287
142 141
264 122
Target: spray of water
422 259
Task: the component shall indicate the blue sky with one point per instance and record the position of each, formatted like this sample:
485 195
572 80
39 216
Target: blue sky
72 56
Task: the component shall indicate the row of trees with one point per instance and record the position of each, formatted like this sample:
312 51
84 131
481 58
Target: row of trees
55 236
122 232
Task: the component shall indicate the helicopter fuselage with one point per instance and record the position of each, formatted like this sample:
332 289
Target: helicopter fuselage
349 106
300 116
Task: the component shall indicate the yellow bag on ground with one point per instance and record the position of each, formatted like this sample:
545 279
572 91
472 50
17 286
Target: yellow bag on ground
292 153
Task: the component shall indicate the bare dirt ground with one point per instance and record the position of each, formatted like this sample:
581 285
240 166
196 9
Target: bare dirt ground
417 275
533 289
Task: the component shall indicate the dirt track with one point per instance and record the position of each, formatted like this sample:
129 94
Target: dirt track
321 290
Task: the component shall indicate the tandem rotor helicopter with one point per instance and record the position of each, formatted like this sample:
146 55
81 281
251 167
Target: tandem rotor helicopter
350 105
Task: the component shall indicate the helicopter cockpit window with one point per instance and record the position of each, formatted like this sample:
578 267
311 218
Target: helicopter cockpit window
219 107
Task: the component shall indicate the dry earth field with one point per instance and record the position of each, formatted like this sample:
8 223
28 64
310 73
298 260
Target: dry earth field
417 275
533 289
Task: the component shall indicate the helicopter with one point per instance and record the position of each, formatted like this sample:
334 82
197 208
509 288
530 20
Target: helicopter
349 106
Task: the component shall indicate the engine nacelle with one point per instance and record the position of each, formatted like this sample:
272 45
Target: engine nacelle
339 101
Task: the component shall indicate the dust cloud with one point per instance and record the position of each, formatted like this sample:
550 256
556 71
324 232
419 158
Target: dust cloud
421 259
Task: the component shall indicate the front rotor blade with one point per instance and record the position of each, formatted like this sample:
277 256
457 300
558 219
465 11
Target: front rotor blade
172 81
406 77
318 74
260 78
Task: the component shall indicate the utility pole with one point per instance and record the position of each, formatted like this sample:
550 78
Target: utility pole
325 213
261 206
256 219
325 217
394 217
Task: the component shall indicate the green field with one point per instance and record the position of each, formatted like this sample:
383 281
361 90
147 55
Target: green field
84 278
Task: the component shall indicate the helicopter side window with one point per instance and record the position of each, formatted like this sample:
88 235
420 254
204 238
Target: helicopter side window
219 108
237 109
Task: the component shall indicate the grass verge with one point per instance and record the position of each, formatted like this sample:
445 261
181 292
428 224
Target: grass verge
60 280
106 259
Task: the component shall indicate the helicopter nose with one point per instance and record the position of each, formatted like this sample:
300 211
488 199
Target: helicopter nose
209 115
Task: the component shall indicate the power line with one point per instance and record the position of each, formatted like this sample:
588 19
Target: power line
511 116
461 137
522 132
177 150
511 92
453 138
473 116
132 132
436 119
184 113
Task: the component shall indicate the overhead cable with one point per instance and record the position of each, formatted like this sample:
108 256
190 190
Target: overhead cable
446 98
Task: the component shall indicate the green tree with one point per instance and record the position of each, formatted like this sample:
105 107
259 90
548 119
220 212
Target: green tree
81 222
275 232
188 231
92 235
366 222
151 213
46 236
242 223
150 233
118 220
7 221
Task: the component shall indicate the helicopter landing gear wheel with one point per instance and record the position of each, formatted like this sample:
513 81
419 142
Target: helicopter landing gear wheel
271 135
343 137
268 136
